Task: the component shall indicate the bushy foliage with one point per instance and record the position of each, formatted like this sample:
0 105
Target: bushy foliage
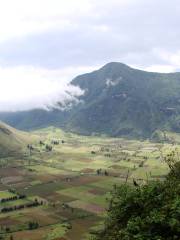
146 212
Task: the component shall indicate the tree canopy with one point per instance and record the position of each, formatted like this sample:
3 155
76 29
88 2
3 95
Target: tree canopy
150 211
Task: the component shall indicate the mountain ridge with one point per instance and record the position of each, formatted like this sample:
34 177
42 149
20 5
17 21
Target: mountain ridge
118 100
12 141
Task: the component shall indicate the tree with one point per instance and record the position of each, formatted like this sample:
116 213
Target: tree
151 211
48 148
33 225
106 173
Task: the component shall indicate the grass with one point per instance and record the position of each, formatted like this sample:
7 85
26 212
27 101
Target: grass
14 203
45 169
6 194
66 181
13 142
56 231
107 183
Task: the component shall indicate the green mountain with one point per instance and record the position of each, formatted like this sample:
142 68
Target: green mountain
34 119
12 141
118 101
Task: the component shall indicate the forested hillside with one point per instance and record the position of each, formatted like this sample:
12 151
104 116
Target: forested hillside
117 101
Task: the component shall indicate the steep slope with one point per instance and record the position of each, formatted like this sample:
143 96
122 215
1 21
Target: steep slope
12 141
34 119
118 101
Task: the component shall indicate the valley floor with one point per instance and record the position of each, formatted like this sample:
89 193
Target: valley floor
63 193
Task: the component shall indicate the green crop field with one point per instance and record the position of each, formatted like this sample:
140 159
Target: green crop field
66 188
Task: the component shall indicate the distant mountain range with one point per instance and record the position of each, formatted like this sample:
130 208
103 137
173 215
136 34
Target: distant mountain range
118 101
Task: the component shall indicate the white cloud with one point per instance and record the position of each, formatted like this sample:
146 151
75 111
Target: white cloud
161 68
36 35
26 87
22 17
173 60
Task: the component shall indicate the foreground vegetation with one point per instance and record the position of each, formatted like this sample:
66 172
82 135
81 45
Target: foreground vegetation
150 211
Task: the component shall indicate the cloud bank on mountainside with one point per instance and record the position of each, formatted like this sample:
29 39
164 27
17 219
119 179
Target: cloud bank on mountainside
25 88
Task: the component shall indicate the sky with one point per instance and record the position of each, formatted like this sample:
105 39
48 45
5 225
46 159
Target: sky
44 44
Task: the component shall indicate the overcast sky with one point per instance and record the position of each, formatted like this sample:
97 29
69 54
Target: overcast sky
45 43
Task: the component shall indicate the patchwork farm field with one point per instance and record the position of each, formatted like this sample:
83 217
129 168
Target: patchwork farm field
60 187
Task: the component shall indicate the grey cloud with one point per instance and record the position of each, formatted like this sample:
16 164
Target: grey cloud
136 32
130 35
